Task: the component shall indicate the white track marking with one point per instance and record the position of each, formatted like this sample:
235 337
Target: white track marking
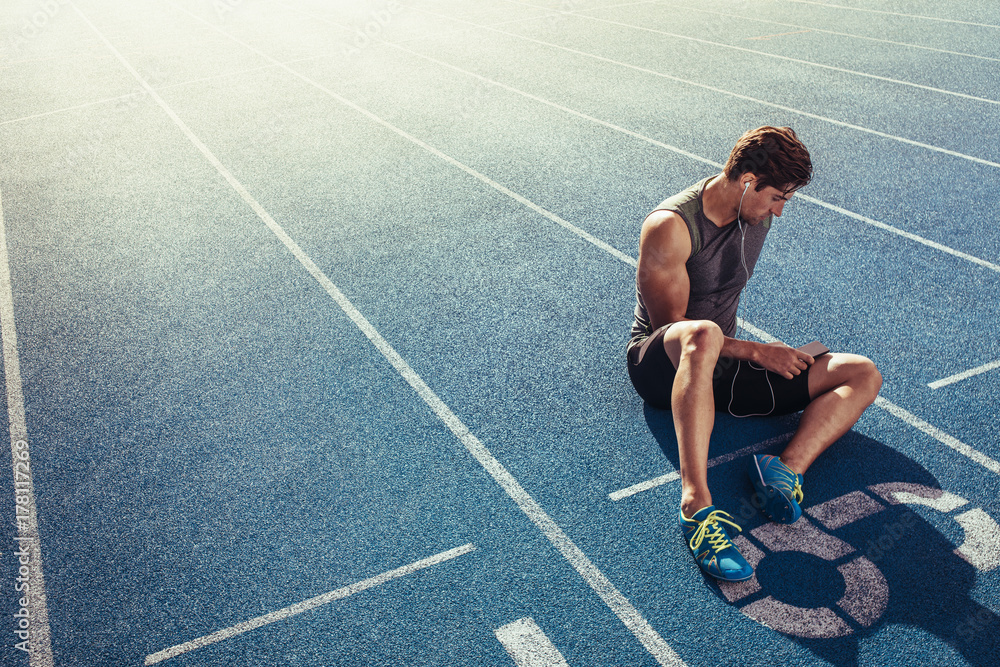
881 11
917 494
780 34
906 416
25 513
799 61
866 593
306 605
131 95
939 435
952 379
900 232
674 476
802 536
528 646
612 597
818 202
722 91
598 582
846 509
945 502
840 34
981 547
756 332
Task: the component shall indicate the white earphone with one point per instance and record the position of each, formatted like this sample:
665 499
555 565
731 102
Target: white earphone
743 234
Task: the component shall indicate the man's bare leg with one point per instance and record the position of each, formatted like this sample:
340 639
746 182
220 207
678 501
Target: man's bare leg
842 386
693 347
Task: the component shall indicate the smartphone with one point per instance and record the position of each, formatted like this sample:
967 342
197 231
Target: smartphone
814 349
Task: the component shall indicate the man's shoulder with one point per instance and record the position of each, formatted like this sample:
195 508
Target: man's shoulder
664 220
683 208
684 197
666 232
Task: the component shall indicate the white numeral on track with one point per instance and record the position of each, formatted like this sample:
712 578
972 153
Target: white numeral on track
528 645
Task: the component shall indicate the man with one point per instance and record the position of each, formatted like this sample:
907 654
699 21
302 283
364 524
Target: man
697 251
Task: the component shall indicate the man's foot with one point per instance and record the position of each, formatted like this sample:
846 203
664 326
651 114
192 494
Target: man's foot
709 543
778 487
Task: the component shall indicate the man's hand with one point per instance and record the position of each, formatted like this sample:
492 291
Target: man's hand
783 360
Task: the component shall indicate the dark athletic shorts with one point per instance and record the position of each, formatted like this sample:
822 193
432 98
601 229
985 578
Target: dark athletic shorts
741 388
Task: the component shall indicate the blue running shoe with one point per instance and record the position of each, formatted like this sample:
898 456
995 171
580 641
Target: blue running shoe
709 543
778 487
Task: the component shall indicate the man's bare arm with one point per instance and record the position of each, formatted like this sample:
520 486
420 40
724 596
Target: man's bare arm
664 248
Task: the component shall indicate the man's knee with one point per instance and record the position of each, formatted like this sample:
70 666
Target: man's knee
869 376
701 339
864 376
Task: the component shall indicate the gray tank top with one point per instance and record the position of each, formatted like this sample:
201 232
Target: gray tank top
715 269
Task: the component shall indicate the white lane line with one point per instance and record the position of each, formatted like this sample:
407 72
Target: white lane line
599 583
28 555
756 332
585 235
617 128
931 430
882 11
851 35
938 434
905 415
780 34
613 598
649 484
900 232
307 605
528 646
799 61
719 460
131 95
958 377
722 91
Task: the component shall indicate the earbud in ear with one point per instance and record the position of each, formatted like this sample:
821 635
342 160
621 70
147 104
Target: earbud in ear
746 185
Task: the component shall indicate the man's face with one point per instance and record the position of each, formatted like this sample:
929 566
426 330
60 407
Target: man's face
765 203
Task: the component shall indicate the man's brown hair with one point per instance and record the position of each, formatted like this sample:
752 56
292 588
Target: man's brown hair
774 155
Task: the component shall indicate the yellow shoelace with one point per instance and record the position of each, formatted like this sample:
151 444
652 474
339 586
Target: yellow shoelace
711 529
797 494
